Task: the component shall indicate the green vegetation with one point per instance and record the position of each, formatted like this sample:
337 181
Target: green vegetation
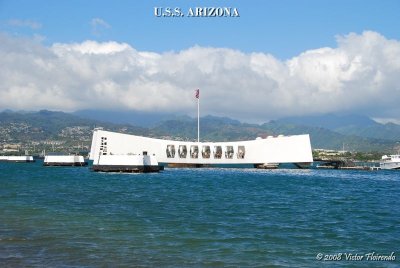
58 131
348 156
51 131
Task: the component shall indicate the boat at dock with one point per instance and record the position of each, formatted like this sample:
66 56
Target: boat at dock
342 164
268 166
17 158
141 163
64 160
390 162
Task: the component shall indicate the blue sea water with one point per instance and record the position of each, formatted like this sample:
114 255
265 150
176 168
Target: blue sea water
72 217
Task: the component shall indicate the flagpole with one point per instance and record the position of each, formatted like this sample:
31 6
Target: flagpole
198 119
197 96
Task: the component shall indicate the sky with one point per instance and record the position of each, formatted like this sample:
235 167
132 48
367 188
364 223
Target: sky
277 58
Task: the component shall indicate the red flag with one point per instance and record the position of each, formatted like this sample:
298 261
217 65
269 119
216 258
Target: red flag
197 94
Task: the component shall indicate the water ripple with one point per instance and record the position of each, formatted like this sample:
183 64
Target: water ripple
194 217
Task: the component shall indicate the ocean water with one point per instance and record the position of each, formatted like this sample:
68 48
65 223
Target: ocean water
72 217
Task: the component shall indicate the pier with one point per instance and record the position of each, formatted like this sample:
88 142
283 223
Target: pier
345 164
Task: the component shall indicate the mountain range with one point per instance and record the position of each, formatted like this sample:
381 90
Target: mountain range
356 125
351 132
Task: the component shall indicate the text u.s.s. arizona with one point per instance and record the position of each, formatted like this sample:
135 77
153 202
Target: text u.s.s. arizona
196 12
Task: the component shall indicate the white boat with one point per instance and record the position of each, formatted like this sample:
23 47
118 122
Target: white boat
294 149
17 158
390 162
268 166
64 160
126 163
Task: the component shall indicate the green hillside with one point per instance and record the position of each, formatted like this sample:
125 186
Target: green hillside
36 130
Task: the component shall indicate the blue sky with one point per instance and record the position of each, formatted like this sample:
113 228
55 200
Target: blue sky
283 28
279 58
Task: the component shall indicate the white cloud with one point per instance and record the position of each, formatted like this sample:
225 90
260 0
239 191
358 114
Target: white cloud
387 120
34 25
98 26
90 47
361 75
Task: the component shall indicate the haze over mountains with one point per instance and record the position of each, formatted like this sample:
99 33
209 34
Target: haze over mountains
136 118
353 132
357 125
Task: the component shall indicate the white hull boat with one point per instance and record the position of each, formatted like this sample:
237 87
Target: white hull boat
17 158
390 162
126 163
64 160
